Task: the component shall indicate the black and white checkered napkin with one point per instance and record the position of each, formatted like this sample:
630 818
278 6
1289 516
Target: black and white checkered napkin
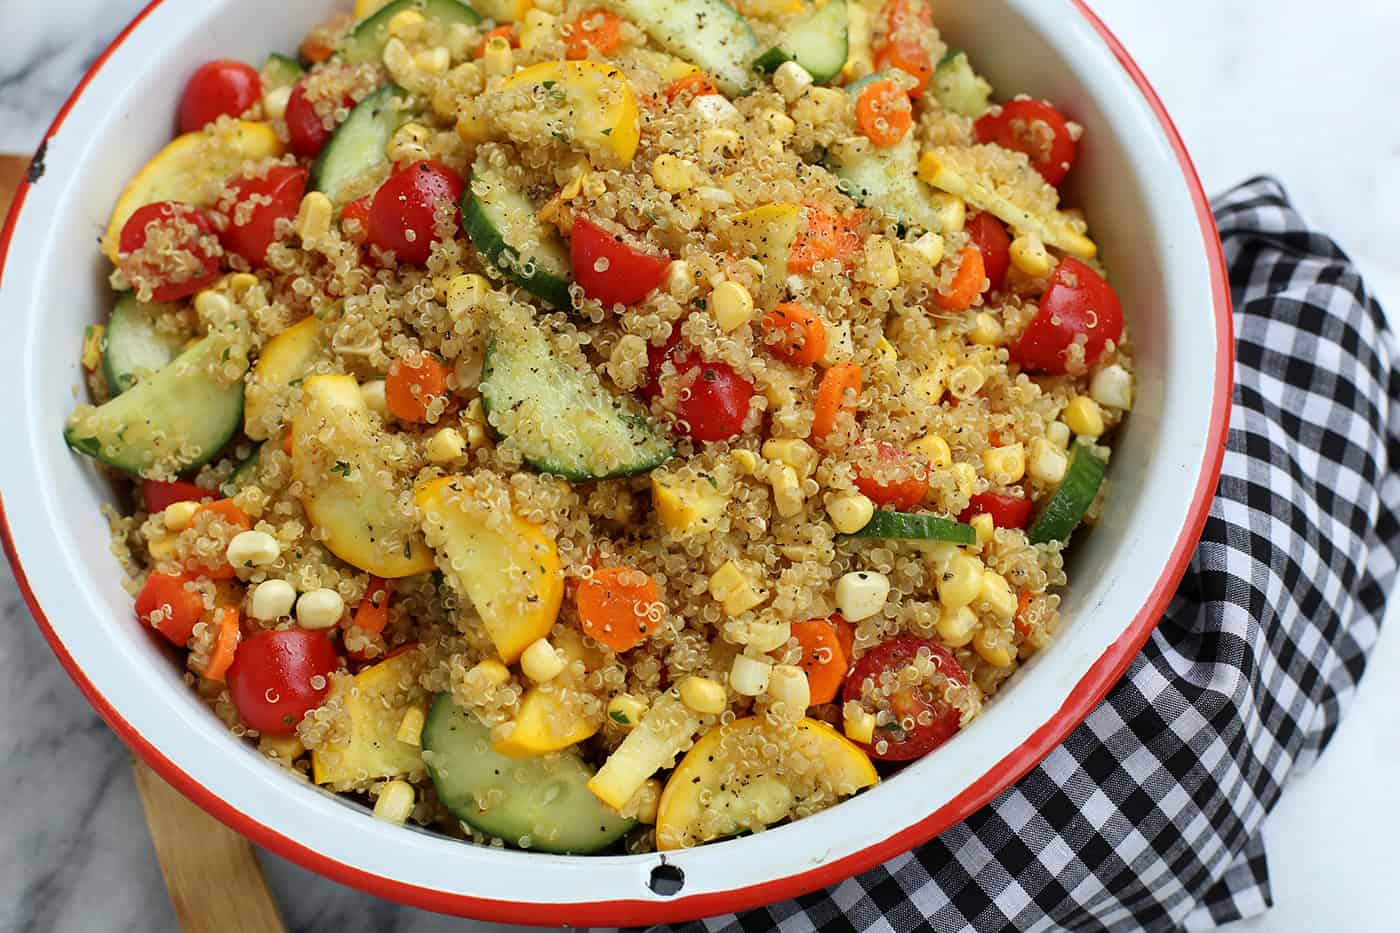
1149 815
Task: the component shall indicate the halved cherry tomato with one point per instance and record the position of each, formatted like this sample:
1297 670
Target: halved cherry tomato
157 494
164 245
306 129
169 608
924 720
277 677
1006 511
274 196
218 88
358 211
1035 128
402 216
610 269
1078 304
994 243
905 489
714 398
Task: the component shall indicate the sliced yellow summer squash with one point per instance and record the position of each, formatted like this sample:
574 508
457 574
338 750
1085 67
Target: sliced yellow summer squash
188 169
285 359
509 567
685 506
587 103
767 233
343 458
664 732
718 789
554 715
375 702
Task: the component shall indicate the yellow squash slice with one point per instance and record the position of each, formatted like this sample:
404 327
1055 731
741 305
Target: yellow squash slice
343 458
665 731
375 701
767 233
725 785
509 567
189 169
554 715
285 359
587 103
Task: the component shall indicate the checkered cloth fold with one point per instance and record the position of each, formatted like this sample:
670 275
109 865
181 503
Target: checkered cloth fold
1148 816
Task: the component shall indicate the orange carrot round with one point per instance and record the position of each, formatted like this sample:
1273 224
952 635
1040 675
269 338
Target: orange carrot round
598 28
823 658
793 333
967 284
831 396
684 90
616 606
824 236
909 57
883 113
410 388
372 615
229 513
225 644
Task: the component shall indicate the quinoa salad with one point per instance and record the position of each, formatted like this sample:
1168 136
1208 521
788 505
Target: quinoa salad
603 428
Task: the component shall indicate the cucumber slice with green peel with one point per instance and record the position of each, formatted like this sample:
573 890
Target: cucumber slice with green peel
709 34
562 419
542 804
1071 502
279 71
503 226
909 527
358 144
960 89
179 418
136 348
242 475
365 43
819 42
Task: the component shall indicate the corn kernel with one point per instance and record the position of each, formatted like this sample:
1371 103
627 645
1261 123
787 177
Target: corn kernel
407 24
313 221
862 594
1048 462
271 600
1005 465
178 515
880 269
319 609
732 306
859 725
956 626
446 445
466 293
1084 417
764 637
275 102
734 590
626 710
798 454
395 803
934 449
787 491
850 512
840 345
792 80
489 674
749 676
998 596
987 331
993 646
213 306
966 381
472 126
788 685
253 549
163 547
930 386
409 143
951 211
712 199
399 62
886 351
850 148
1029 255
541 662
679 280
820 106
1112 387
410 730
719 142
1058 433
286 748
779 124
965 476
959 581
373 394
929 248
984 526
714 109
673 174
434 61
703 695
537 26
745 460
499 58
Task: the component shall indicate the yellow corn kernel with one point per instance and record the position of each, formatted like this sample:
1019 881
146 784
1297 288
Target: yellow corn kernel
956 626
446 445
994 646
407 24
934 449
537 26
861 594
787 491
930 386
987 331
952 212
625 710
984 526
965 476
275 102
163 547
779 124
673 174
434 61
792 80
960 580
489 674
840 345
749 676
241 282
966 381
1058 433
474 423
850 512
499 58
1048 462
472 126
731 304
703 695
998 596
787 684
733 589
1005 465
679 280
745 460
848 149
399 62
1084 416
719 142
1112 387
213 306
395 803
798 454
929 248
1028 253
313 221
409 143
820 106
541 662
467 293
178 515
880 269
858 724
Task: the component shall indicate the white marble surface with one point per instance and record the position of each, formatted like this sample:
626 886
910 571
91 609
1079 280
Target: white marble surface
1303 91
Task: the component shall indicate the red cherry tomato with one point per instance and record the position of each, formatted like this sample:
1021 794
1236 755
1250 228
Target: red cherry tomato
358 211
1006 511
178 263
611 270
157 495
305 127
1035 128
994 243
913 734
169 608
275 196
401 217
1078 307
277 677
714 398
218 88
899 494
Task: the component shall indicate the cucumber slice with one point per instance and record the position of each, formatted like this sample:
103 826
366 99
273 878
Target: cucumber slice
242 475
365 43
707 33
544 802
960 89
818 42
1071 501
562 419
908 527
503 225
136 349
279 71
181 417
358 144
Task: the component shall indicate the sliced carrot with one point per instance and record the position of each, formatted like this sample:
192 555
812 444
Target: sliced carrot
793 333
315 49
372 615
846 635
506 32
906 18
410 388
900 43
883 113
1023 602
832 398
823 658
825 236
684 90
615 605
909 57
598 29
225 644
287 443
968 283
227 512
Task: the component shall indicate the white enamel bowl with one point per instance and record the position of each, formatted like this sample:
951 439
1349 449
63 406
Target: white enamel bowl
1148 212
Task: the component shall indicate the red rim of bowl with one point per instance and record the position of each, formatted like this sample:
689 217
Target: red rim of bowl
1092 687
